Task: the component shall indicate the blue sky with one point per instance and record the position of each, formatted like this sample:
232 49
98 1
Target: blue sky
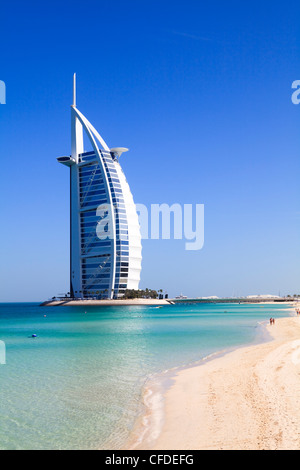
201 94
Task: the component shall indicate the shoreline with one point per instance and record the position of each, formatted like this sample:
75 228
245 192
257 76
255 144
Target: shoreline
105 303
243 398
122 302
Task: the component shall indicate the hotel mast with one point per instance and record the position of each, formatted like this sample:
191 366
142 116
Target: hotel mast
105 251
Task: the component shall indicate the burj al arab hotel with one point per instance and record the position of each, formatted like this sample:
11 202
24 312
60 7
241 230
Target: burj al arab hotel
105 238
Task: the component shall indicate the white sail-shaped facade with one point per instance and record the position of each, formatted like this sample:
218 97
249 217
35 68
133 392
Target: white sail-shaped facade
105 245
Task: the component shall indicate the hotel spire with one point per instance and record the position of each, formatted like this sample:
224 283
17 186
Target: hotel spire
74 90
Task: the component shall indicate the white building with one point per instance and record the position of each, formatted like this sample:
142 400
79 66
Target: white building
105 232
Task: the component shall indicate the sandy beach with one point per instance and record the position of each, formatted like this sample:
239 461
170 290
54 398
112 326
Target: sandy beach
247 399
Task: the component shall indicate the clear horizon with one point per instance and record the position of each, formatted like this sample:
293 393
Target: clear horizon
199 93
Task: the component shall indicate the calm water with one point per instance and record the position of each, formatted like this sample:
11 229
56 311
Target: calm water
78 384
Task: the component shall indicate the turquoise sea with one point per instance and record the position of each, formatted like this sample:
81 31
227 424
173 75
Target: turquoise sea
79 383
